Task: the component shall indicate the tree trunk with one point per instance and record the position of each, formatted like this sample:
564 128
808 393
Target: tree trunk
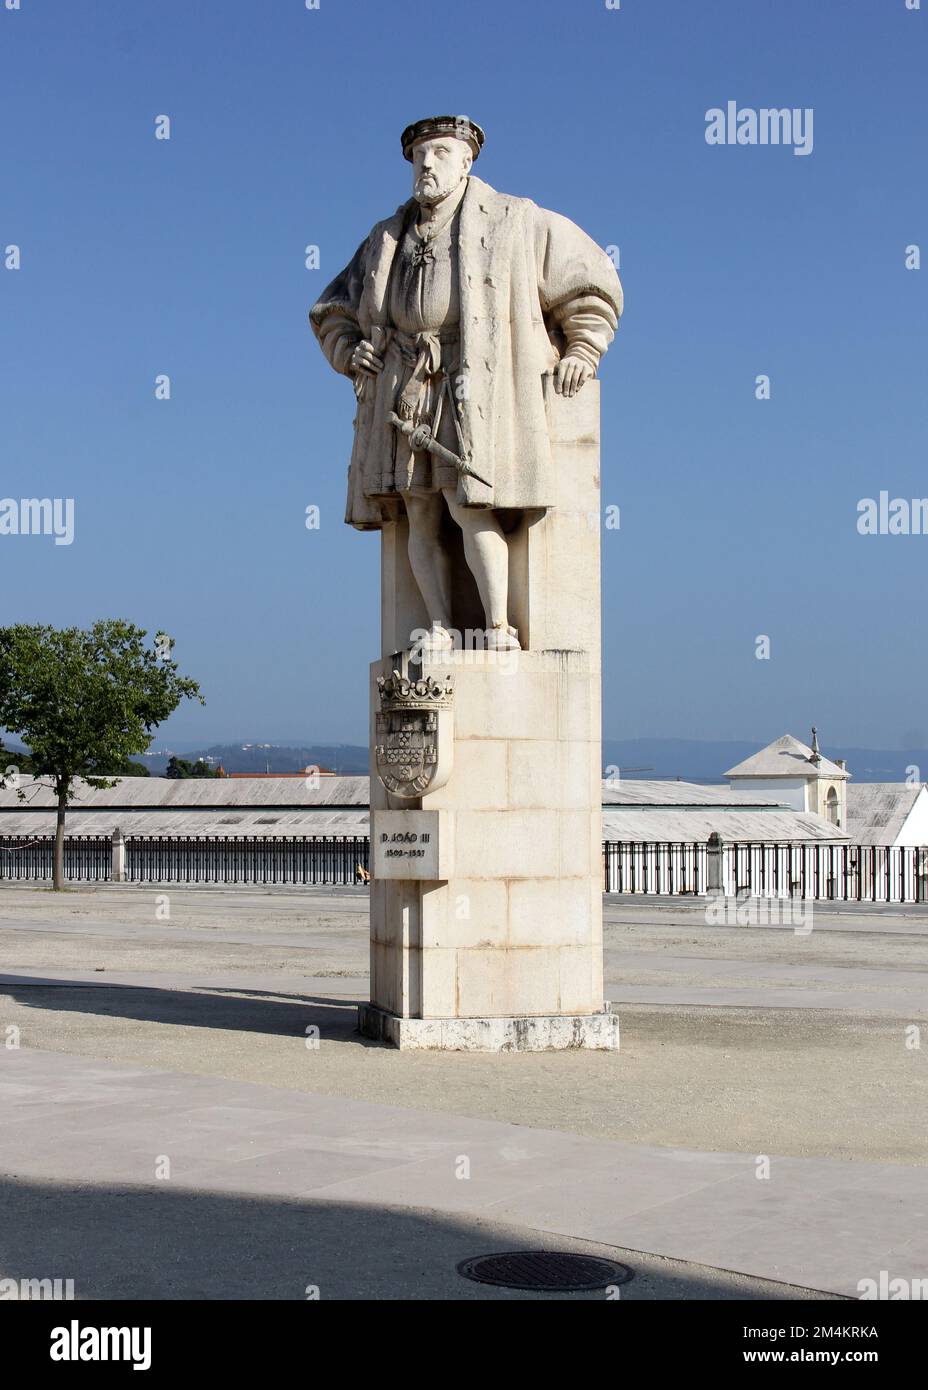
58 876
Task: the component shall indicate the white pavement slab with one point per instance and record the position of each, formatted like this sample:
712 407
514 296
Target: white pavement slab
818 1223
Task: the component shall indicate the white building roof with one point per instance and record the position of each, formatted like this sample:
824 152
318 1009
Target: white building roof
618 792
877 811
685 812
196 793
694 827
230 794
230 823
786 757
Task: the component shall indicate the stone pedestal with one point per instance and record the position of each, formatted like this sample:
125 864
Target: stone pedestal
525 1033
486 894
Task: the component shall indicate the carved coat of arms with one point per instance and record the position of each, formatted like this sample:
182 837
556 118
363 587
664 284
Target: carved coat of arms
415 734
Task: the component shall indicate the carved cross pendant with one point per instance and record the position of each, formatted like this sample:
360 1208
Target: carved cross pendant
422 254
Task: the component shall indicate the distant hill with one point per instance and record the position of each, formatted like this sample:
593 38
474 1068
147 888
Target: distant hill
691 760
345 758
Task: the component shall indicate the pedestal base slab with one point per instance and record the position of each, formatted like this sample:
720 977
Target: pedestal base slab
528 1033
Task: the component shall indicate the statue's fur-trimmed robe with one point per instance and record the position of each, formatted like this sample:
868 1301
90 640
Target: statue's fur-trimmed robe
532 286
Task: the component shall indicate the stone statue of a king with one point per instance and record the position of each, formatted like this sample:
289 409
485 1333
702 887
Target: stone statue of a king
472 324
448 317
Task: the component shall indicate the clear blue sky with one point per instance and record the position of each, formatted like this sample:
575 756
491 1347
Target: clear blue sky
185 257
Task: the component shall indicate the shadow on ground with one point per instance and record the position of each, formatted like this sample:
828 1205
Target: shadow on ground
167 1242
245 1011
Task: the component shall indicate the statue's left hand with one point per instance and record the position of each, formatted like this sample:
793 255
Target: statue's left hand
570 374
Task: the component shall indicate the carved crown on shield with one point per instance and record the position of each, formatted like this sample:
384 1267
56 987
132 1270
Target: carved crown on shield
400 692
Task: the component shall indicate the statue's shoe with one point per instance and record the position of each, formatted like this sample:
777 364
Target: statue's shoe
503 638
438 645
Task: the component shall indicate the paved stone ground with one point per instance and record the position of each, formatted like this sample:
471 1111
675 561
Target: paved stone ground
737 1042
228 986
269 1191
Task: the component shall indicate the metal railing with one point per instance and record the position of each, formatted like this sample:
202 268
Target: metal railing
297 859
798 869
86 857
652 867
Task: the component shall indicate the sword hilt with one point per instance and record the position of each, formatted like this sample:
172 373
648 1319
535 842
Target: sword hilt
420 438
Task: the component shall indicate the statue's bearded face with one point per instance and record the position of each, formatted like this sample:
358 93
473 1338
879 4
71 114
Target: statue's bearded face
438 166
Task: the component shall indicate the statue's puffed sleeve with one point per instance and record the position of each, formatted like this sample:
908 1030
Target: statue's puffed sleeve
334 316
580 292
588 324
338 334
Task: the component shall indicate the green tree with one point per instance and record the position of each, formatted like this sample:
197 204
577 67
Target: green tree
179 768
84 701
128 768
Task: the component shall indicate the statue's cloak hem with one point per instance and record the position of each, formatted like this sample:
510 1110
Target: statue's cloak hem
517 263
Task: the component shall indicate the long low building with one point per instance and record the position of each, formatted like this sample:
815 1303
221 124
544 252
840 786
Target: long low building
264 806
689 812
633 810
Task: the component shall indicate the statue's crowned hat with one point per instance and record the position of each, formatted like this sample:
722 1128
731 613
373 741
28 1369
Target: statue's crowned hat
460 127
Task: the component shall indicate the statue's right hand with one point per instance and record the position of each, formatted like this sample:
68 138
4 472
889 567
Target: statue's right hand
365 359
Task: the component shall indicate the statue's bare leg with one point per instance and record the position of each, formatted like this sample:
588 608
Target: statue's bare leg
487 553
428 560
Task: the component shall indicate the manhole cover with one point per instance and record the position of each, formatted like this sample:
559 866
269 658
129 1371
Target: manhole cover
545 1269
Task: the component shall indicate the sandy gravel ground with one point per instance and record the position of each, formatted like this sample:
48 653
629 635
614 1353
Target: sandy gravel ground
230 982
